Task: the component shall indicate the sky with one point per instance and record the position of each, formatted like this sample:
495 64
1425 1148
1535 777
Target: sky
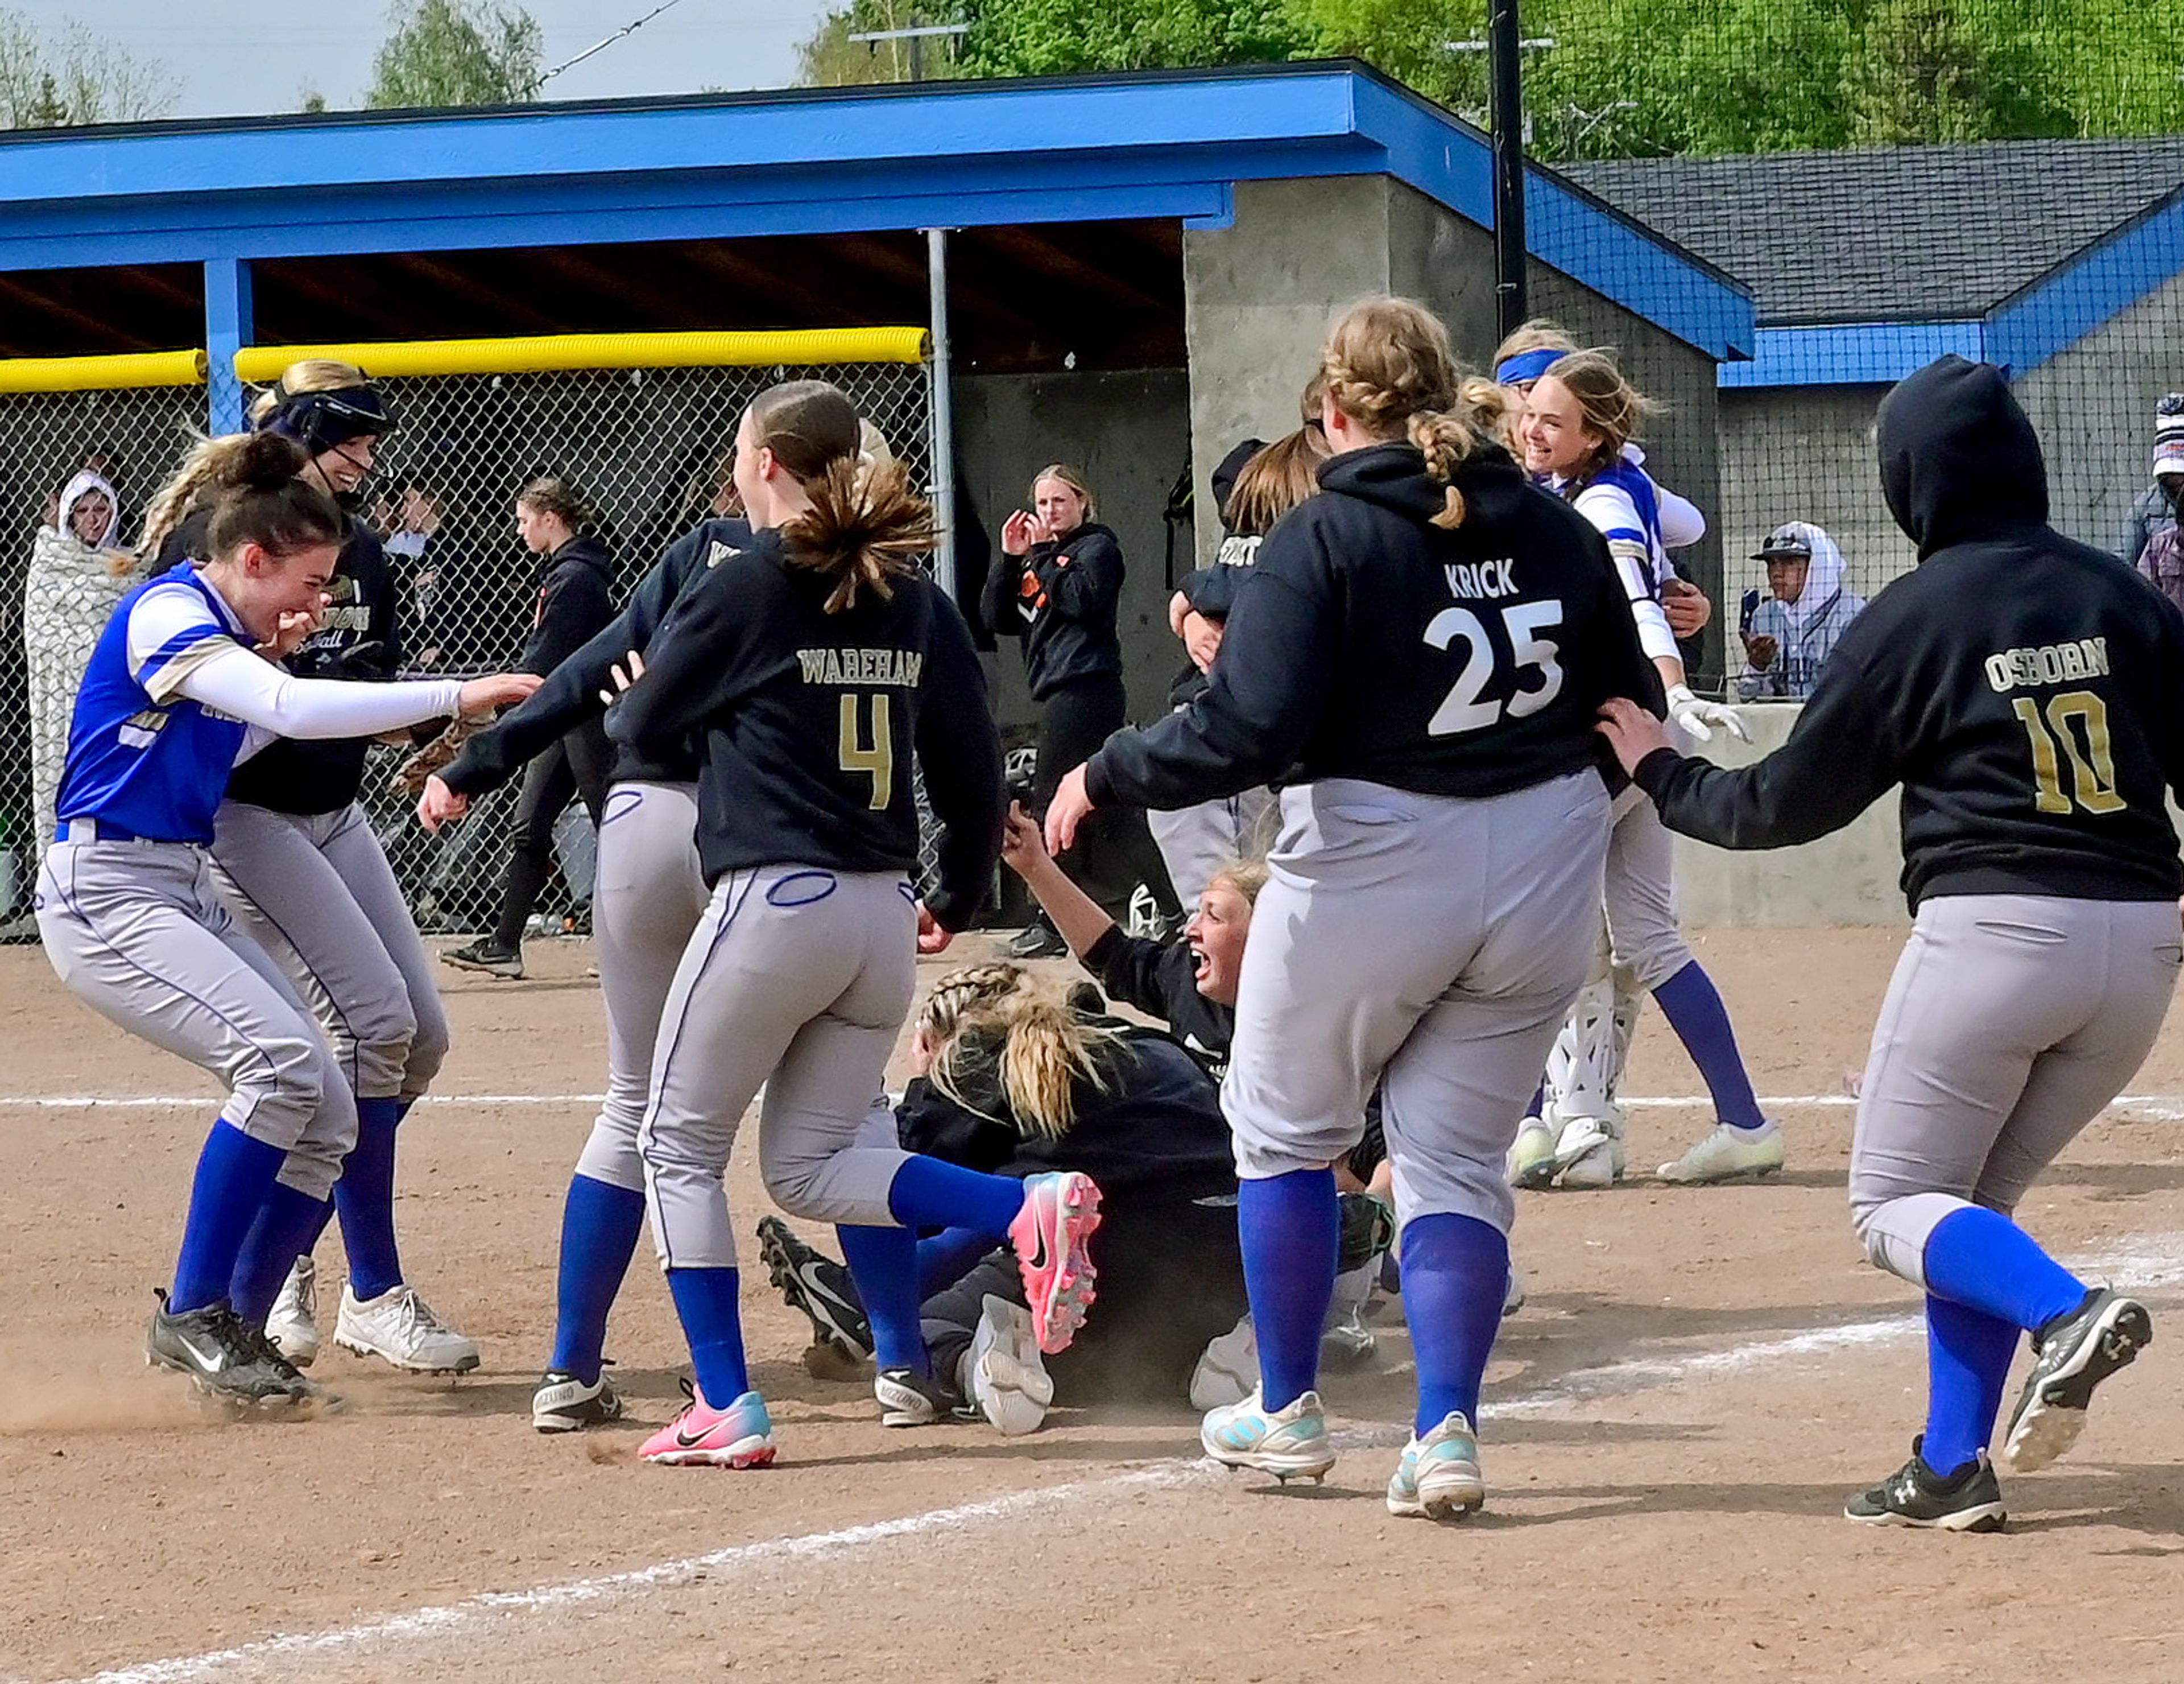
240 57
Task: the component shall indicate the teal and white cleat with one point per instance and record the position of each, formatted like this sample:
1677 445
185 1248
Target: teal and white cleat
1438 1478
1291 1443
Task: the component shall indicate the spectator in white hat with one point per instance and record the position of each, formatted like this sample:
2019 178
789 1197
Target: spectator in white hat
1794 629
2153 511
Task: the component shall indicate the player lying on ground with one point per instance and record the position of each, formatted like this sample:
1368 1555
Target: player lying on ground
183 687
1014 1079
814 665
2024 691
1418 649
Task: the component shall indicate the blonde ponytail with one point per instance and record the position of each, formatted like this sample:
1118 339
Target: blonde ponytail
209 461
1038 1047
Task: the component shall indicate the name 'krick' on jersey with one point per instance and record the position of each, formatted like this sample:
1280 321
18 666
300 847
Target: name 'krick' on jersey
900 667
1482 578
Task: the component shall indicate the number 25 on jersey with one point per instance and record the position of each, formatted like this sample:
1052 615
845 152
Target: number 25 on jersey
1462 710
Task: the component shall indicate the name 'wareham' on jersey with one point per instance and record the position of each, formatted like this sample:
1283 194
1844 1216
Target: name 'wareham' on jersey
811 722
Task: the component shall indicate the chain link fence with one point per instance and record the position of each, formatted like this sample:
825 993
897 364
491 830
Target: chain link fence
648 448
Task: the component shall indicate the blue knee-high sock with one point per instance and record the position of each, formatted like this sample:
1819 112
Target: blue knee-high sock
600 1224
234 1174
1538 1108
1455 1270
883 1263
713 1323
1692 1005
364 1197
286 1225
945 1258
1967 1354
1289 1228
927 1193
1979 1258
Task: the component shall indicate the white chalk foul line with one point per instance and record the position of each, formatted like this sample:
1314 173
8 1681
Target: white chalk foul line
453 1617
2144 1263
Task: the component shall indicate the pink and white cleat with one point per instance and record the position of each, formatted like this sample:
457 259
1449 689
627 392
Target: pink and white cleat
740 1435
1060 1211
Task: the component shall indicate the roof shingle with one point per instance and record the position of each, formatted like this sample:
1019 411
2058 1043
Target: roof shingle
1926 234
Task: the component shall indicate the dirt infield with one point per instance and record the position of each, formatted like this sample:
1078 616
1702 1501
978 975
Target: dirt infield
1700 1378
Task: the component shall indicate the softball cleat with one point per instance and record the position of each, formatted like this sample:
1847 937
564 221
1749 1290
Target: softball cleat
1060 1210
740 1435
564 1403
1968 1500
1002 1372
1438 1478
1291 1443
293 1323
229 1362
2073 1354
1728 1154
400 1328
1532 1157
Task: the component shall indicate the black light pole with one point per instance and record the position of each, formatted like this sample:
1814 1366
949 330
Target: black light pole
1505 113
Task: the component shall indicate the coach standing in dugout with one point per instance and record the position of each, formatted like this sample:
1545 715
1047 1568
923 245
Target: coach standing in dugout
574 603
1058 586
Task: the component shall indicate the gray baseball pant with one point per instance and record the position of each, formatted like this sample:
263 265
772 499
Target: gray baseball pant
1195 842
140 933
1427 943
2011 1022
797 979
315 891
650 896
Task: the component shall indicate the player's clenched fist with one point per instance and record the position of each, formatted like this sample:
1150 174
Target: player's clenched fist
439 805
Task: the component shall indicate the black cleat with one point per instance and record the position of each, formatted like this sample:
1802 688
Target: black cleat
2072 1354
817 1285
505 963
1038 939
228 1359
564 1403
909 1399
1914 1495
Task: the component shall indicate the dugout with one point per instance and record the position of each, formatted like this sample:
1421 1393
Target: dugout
2062 259
1138 268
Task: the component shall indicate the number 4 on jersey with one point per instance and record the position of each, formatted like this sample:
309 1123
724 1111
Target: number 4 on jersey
1462 710
878 759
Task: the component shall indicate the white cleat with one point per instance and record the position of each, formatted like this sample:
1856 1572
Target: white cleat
1728 1154
1438 1478
293 1323
1002 1372
1291 1443
400 1328
1589 1154
1532 1157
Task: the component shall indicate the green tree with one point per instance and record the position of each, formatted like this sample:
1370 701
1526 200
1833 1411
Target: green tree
73 77
456 53
1046 38
829 59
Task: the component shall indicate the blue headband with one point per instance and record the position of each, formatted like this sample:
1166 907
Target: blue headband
1526 366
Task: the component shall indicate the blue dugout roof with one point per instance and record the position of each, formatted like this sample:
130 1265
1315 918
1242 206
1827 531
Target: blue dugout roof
1157 144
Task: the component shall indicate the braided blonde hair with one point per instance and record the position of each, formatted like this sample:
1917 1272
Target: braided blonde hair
1040 1047
1389 367
210 461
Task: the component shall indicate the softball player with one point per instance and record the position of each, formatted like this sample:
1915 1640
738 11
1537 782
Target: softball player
176 697
1416 651
650 896
2023 691
1578 417
1586 1064
295 856
815 665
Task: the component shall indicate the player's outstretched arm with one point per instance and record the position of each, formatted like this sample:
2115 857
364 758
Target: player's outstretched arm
1077 918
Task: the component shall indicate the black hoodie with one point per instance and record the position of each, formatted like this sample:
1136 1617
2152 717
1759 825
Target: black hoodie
1061 597
2023 689
574 602
1368 642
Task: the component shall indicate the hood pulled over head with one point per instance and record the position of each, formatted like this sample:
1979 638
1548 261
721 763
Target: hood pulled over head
82 486
1959 459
